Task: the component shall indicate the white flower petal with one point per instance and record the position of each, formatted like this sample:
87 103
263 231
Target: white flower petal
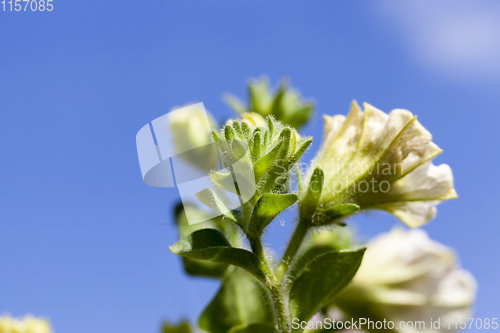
333 125
381 161
426 182
338 149
414 213
406 276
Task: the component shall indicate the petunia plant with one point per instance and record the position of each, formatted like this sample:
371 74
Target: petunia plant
368 160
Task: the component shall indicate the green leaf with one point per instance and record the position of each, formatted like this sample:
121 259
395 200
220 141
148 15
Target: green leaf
199 267
226 181
266 161
304 258
241 300
302 116
183 327
277 104
212 200
196 267
309 203
267 208
320 280
235 104
335 214
253 328
260 98
211 245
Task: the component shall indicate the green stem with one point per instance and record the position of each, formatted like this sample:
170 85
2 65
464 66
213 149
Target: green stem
293 247
283 321
258 249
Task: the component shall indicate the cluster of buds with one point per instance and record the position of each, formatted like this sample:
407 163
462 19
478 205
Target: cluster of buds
284 104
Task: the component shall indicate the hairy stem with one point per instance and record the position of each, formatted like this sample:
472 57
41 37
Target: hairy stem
293 247
274 285
258 249
283 322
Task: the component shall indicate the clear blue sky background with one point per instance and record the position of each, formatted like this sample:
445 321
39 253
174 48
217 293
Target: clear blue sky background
85 242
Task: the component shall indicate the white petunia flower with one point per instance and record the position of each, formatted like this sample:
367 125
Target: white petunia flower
28 324
382 161
405 276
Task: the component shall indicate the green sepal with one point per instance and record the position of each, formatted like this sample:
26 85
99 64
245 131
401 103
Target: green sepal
267 208
212 245
279 170
183 327
320 280
298 154
241 300
310 201
245 130
334 214
260 98
253 328
256 146
229 132
237 129
266 161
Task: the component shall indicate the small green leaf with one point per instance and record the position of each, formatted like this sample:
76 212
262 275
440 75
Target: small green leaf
212 200
253 328
243 186
183 327
320 280
334 214
211 245
267 208
309 203
241 300
260 98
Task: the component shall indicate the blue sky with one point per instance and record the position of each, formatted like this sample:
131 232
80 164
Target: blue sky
85 242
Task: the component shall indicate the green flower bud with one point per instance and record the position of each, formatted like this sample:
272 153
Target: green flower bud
273 148
285 104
